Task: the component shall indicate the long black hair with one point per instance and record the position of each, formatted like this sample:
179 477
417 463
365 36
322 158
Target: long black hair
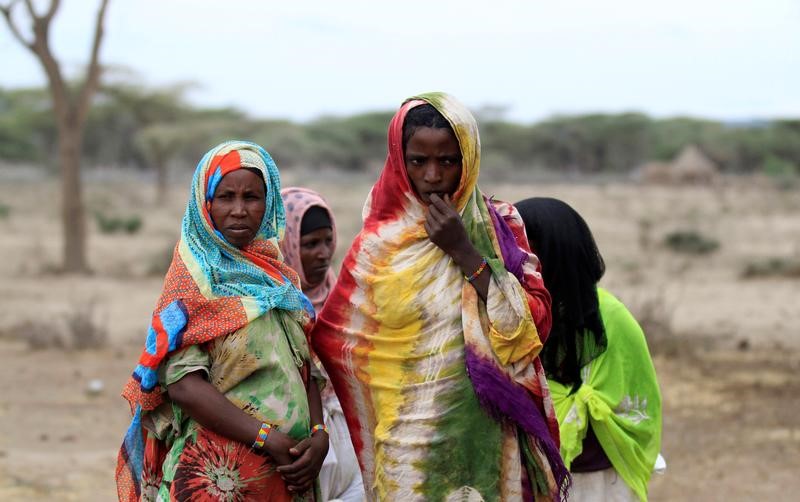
571 267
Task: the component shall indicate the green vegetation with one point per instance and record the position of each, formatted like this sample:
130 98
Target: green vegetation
772 267
690 242
134 126
115 224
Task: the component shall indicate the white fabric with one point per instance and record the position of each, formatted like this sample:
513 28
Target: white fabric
340 476
600 486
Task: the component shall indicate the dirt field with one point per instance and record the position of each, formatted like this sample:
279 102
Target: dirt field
727 347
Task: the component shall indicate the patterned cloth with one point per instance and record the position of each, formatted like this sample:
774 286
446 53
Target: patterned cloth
619 397
443 393
296 201
212 289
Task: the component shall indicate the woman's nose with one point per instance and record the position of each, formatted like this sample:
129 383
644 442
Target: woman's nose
324 251
433 173
239 207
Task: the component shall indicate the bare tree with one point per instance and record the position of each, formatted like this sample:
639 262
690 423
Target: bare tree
71 109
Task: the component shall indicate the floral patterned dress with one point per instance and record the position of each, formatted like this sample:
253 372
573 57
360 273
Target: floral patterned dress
261 369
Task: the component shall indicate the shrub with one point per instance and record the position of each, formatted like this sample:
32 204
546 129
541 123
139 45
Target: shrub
114 224
5 211
78 329
772 267
690 242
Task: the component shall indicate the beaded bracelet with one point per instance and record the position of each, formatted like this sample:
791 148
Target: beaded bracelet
263 434
319 427
477 272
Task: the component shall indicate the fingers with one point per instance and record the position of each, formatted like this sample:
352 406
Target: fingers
300 447
300 487
292 470
444 206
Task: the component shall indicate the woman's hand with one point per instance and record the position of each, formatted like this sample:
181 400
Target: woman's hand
446 230
309 454
278 446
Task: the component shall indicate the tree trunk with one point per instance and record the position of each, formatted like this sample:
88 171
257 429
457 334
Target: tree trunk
72 211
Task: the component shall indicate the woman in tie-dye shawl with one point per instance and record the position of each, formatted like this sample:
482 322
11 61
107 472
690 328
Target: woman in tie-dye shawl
226 352
438 375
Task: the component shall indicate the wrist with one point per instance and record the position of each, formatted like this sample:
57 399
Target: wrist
262 436
478 271
466 256
318 429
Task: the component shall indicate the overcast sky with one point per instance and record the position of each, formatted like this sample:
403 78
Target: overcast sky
724 59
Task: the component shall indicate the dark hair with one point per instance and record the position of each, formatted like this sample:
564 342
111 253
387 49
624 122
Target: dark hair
314 218
423 116
571 267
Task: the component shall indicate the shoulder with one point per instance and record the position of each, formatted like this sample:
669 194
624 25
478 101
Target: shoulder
512 219
504 209
617 319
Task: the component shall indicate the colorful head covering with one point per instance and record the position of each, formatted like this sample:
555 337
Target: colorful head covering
211 289
297 201
398 293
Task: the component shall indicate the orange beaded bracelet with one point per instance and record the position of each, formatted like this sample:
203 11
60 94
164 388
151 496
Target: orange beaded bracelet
477 272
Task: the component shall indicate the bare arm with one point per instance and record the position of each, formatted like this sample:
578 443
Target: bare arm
211 409
310 452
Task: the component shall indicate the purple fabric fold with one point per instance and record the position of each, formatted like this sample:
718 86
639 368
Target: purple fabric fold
513 256
504 399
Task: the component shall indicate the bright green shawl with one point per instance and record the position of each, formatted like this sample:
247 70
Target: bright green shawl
619 396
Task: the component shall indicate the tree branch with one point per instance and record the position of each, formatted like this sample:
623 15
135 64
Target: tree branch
54 4
41 47
6 10
31 11
93 70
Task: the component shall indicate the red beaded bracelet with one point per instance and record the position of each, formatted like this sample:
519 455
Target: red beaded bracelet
477 272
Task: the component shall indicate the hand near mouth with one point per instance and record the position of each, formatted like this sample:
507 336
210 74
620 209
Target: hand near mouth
444 225
446 230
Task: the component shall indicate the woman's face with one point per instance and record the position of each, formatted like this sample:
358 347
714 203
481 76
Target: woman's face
433 162
316 250
238 206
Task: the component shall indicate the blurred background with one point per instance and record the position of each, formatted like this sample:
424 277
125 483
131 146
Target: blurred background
673 128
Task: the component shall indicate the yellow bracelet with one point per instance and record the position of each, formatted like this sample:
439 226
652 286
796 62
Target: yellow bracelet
319 427
263 434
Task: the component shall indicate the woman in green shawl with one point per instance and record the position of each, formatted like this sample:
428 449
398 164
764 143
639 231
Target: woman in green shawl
598 367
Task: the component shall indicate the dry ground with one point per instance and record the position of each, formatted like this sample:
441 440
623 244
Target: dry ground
727 349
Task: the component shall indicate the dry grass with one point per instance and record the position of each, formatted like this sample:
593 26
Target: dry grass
726 348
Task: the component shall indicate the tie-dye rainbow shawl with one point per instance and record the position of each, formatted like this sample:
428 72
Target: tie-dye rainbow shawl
444 394
211 289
